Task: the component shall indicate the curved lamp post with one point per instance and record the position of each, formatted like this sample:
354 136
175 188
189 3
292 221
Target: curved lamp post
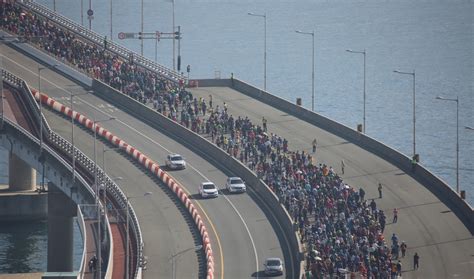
364 53
264 16
457 136
312 86
414 111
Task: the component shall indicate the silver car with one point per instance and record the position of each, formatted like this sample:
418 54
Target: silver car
235 185
273 266
208 190
175 161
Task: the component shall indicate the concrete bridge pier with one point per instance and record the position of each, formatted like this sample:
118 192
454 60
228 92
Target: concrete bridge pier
61 212
22 177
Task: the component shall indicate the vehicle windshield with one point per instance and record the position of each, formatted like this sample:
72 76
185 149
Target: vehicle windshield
236 181
273 263
176 158
208 186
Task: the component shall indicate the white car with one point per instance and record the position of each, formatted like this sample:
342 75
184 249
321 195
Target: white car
273 266
208 190
175 161
235 185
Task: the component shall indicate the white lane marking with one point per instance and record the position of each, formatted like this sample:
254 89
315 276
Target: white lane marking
164 148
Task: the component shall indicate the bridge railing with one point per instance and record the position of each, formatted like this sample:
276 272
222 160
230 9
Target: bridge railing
21 85
111 188
99 40
11 79
81 159
30 140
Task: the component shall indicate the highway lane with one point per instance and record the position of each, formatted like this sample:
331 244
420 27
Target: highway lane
428 226
241 234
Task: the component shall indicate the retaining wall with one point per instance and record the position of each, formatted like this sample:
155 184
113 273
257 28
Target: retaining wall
433 183
210 151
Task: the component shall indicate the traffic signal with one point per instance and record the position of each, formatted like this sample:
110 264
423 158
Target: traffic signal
140 35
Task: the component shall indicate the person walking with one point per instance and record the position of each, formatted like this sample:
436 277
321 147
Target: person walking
395 215
403 247
361 194
416 261
373 206
399 268
380 190
342 166
264 124
413 164
315 143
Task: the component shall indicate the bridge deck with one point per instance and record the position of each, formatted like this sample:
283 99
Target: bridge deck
427 226
15 112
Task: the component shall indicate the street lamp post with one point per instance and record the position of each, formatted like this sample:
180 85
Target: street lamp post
97 191
1 89
15 39
469 128
111 37
414 111
127 248
41 120
90 17
141 37
114 179
175 256
72 134
174 38
457 136
312 86
364 53
264 16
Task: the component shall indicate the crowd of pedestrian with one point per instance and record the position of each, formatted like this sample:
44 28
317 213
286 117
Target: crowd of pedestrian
93 60
342 231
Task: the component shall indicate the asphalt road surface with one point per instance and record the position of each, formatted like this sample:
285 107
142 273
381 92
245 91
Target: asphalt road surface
241 235
445 246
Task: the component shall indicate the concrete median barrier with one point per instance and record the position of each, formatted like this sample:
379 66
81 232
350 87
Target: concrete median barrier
213 153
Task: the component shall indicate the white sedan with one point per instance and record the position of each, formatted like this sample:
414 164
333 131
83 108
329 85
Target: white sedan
208 190
175 161
273 266
235 185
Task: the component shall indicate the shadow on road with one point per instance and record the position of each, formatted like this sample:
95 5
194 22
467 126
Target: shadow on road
261 274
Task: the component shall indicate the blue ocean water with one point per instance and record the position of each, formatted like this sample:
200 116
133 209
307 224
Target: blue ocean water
24 245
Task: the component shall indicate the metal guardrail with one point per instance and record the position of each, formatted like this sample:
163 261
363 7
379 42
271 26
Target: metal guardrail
111 188
11 79
82 160
99 40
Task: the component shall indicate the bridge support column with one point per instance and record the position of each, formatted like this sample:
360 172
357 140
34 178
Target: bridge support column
22 177
61 212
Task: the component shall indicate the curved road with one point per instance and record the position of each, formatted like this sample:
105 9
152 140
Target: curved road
445 246
240 233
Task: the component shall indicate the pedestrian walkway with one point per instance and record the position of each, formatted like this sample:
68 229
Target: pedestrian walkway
427 226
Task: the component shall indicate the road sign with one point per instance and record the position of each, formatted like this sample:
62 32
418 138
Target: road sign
90 17
90 12
126 35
